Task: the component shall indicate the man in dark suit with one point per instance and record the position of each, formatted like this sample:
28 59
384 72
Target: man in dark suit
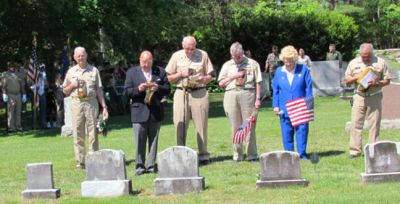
146 85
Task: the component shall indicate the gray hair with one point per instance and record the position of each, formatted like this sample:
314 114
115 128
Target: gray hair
79 48
366 46
236 48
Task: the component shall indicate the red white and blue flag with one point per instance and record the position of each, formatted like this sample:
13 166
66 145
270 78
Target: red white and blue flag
301 110
33 73
244 130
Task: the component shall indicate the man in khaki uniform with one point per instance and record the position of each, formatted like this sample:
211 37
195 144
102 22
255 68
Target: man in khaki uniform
83 84
367 102
241 78
12 92
191 70
21 73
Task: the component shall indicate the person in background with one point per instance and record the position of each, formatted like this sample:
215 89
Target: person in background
291 81
304 59
13 94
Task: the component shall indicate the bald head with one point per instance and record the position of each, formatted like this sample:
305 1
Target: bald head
189 45
366 52
146 60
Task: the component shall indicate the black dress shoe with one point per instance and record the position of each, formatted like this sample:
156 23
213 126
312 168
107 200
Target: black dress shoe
151 171
204 162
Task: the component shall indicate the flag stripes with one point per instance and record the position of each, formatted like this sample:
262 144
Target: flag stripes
243 131
301 110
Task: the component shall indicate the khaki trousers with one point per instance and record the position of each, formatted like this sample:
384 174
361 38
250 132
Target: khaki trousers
365 108
193 105
14 112
238 106
84 114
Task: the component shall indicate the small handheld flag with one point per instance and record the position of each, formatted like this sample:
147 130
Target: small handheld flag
301 110
244 130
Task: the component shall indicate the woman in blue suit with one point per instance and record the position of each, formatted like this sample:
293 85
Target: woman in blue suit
291 81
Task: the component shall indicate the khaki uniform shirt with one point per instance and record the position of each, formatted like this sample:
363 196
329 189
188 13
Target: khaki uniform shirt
252 73
357 66
12 84
90 77
272 61
199 63
333 56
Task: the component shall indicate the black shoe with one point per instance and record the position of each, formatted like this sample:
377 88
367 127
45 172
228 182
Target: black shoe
80 166
204 162
352 156
152 170
252 160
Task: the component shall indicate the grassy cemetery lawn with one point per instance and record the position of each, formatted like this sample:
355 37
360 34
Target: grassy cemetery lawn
335 179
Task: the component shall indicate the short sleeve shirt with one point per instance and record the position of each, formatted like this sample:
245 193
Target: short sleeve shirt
12 83
272 61
357 66
198 63
90 77
252 73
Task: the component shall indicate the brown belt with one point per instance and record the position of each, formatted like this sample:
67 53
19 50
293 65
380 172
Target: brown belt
190 90
367 94
83 99
235 89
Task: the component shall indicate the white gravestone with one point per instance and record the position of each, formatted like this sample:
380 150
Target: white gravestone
178 171
279 169
66 129
106 174
382 162
40 182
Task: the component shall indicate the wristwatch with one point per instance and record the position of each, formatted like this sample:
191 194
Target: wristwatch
258 98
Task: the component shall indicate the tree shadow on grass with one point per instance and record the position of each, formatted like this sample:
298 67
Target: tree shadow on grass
329 153
220 158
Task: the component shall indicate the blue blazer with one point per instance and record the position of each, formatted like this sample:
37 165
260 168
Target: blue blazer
283 92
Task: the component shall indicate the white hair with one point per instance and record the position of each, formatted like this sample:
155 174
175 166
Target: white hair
236 49
79 49
366 46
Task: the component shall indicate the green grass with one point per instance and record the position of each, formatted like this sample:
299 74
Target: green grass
335 179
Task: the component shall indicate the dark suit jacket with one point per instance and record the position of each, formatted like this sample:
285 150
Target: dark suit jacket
140 111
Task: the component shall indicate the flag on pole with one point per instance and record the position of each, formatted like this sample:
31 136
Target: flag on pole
301 110
33 73
244 130
64 62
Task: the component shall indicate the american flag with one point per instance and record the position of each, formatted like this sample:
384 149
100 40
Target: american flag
301 110
244 130
33 74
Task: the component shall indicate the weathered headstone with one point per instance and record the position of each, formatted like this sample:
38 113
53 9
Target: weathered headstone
40 182
390 109
382 162
178 171
106 174
66 129
279 169
326 77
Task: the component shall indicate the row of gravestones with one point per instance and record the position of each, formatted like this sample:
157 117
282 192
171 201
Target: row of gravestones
179 172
